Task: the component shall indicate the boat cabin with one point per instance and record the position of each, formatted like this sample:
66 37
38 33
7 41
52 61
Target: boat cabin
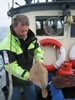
53 20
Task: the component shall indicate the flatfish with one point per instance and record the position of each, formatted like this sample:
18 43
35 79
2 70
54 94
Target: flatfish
39 76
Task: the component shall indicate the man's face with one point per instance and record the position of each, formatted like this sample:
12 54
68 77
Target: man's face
21 31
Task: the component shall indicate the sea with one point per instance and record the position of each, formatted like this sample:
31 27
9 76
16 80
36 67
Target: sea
3 33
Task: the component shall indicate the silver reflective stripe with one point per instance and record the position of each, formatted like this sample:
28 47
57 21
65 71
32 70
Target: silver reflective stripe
38 55
18 73
38 42
6 59
1 63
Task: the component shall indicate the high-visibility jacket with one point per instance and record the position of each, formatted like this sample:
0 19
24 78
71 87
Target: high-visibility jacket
20 54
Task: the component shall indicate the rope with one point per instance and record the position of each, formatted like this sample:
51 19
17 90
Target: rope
9 68
10 82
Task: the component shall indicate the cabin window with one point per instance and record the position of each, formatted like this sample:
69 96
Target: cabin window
49 26
73 30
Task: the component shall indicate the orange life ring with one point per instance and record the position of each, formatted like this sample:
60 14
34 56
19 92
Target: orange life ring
62 53
50 42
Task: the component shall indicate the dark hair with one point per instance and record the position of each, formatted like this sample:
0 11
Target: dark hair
20 18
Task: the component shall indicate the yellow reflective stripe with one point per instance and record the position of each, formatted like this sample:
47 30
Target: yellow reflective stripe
16 69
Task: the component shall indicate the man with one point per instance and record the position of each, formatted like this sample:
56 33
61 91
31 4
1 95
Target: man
21 48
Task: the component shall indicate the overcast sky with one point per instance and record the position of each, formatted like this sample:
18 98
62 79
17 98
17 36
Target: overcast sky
4 6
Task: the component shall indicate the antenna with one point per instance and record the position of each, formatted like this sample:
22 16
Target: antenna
17 4
12 3
8 6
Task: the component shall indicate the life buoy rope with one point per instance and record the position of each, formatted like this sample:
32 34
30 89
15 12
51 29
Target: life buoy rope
62 53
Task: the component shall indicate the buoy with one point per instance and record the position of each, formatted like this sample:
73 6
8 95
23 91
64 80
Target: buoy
57 45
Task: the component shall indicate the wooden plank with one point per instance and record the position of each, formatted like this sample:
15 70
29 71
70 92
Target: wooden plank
64 81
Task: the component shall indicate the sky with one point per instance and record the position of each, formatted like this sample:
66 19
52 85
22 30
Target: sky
5 5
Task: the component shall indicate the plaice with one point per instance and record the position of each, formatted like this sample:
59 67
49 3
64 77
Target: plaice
39 76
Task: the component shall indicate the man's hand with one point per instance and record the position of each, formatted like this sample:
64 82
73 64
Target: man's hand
30 78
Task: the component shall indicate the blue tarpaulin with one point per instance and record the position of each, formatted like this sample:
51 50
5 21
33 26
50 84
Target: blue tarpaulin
56 93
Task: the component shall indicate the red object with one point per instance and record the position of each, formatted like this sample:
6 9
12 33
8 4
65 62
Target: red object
49 67
50 42
66 69
72 55
67 65
62 72
73 63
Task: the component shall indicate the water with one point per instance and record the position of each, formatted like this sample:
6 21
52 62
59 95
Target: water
3 33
